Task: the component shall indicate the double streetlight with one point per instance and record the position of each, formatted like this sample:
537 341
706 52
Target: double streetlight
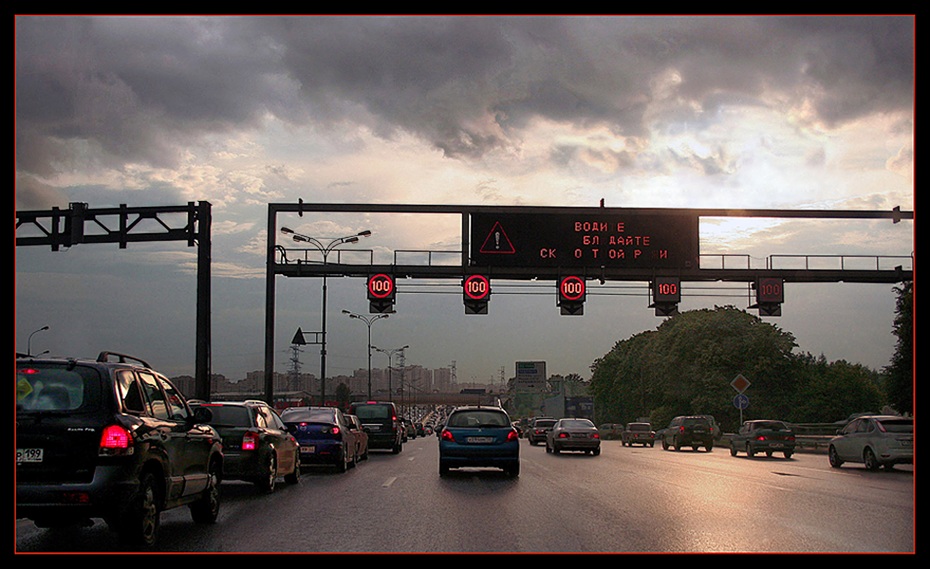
390 355
369 320
325 250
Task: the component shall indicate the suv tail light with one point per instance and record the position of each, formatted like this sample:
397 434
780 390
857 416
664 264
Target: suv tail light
513 436
250 440
115 440
447 436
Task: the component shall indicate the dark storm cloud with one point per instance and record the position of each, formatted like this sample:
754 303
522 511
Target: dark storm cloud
141 89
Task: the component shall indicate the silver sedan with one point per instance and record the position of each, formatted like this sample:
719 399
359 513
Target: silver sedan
574 434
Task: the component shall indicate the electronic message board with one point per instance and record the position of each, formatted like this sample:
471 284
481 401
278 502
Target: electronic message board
624 239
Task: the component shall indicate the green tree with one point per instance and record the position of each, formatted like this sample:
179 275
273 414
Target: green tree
899 373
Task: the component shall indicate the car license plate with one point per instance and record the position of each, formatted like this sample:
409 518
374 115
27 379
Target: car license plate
308 449
29 455
777 445
479 440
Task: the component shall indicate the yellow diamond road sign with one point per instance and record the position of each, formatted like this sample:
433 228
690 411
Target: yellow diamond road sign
740 383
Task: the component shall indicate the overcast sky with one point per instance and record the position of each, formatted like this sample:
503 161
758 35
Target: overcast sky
658 112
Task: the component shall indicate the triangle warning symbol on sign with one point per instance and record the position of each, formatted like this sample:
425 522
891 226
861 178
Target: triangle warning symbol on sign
497 242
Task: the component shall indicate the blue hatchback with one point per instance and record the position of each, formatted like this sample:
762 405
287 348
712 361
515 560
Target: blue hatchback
479 437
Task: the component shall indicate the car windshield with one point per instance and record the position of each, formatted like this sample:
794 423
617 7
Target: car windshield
55 387
897 425
478 419
229 416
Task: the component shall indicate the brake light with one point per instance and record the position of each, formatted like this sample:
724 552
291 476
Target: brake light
563 435
336 431
115 440
596 436
513 436
250 440
447 436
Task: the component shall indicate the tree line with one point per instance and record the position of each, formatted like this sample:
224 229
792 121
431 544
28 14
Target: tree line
686 366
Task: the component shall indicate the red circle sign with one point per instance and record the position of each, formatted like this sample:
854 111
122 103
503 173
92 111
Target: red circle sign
477 287
381 286
572 288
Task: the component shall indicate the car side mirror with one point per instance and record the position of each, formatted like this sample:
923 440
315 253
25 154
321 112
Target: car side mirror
202 415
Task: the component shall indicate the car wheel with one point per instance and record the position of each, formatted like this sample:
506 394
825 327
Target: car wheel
596 452
443 469
207 508
548 448
513 471
788 454
835 460
749 450
294 477
709 447
341 462
676 445
733 450
664 444
269 475
139 523
870 460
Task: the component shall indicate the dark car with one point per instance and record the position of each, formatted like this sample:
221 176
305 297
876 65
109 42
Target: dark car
477 436
361 437
763 435
385 430
638 434
257 444
875 441
324 436
539 429
573 434
610 431
689 430
111 438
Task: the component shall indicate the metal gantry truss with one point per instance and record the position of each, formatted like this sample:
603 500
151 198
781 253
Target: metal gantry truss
278 262
80 224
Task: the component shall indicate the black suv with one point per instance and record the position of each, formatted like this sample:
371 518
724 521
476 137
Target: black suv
689 430
110 438
380 420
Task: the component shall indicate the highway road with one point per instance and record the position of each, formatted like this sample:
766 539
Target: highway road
628 499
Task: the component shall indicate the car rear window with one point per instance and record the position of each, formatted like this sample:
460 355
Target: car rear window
640 427
478 418
295 415
898 425
544 423
364 412
695 421
229 416
57 387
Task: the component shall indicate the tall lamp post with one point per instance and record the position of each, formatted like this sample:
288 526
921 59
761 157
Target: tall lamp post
29 340
325 251
390 355
369 320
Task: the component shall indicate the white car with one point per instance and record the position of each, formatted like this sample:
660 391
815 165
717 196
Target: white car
875 441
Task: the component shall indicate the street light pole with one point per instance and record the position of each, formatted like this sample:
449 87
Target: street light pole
29 340
369 321
390 355
325 251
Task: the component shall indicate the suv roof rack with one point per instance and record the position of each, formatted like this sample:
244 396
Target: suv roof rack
122 358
